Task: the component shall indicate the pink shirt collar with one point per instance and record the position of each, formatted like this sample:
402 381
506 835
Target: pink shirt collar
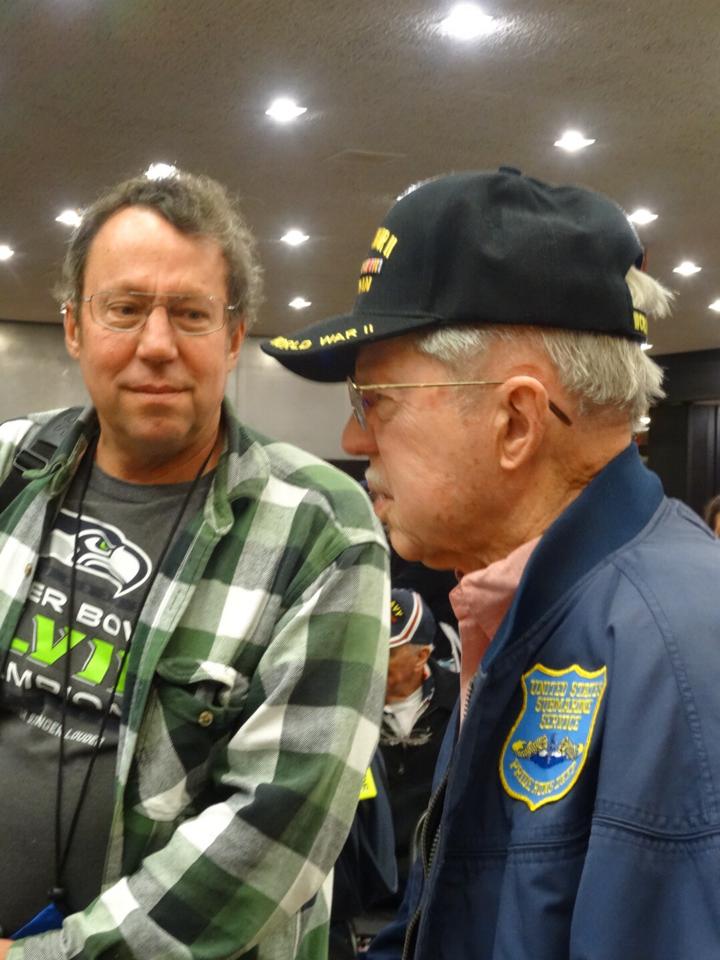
480 601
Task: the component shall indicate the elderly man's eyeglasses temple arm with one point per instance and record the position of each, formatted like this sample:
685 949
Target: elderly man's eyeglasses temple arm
359 390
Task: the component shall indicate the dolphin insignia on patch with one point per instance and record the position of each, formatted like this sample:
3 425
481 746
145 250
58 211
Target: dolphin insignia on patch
548 745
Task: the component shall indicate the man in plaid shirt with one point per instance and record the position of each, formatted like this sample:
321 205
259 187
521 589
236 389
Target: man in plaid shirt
193 623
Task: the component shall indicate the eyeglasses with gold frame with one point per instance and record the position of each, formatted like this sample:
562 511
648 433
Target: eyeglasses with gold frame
359 404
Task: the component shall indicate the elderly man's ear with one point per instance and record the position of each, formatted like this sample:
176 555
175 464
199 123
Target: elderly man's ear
424 655
525 421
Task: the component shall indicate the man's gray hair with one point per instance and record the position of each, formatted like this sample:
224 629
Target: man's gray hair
599 370
195 205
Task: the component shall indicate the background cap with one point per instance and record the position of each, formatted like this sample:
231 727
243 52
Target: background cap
482 247
411 620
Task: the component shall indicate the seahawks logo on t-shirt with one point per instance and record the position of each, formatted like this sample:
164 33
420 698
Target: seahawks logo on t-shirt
102 551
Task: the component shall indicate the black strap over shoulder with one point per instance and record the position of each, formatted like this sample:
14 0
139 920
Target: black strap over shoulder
35 451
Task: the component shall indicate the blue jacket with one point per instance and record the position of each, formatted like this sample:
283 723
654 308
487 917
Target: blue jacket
578 814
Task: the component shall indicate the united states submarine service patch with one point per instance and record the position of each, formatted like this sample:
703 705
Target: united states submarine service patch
548 745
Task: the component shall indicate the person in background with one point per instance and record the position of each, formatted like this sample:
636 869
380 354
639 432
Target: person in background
366 870
434 587
419 701
496 375
193 622
712 514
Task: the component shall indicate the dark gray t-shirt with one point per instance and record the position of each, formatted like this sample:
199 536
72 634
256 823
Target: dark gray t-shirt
123 530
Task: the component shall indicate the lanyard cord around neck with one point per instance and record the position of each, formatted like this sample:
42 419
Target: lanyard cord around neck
62 852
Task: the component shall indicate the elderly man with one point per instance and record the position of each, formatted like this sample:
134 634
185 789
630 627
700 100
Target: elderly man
193 622
497 375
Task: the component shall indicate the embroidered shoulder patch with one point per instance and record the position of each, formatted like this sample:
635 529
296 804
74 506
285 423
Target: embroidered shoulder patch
548 745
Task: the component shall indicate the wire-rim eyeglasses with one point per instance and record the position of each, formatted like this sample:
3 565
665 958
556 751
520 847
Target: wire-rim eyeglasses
359 404
127 311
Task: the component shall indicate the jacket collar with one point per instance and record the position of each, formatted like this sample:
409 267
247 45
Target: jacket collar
615 506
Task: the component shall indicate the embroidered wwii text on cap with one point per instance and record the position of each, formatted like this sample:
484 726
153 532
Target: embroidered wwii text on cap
487 247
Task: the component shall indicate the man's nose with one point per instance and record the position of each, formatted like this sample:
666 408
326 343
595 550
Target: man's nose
356 441
158 338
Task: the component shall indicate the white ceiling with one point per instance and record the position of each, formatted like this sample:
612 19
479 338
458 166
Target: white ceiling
92 91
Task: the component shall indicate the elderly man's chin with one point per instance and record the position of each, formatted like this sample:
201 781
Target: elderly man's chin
416 551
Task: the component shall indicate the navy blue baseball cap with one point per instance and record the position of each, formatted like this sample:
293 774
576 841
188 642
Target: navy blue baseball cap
482 247
411 620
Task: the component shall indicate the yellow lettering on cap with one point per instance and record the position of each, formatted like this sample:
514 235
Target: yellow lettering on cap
364 284
384 242
282 343
350 333
380 239
368 328
640 321
331 338
389 246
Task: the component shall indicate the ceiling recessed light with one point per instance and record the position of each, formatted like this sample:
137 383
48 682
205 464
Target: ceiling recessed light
687 268
299 303
71 218
5 251
285 110
466 21
646 346
159 171
294 237
641 216
715 305
573 140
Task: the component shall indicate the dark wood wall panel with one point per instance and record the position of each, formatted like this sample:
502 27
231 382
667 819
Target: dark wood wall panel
684 437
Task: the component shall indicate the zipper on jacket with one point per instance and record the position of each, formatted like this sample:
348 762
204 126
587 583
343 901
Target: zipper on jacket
428 848
410 936
427 855
468 694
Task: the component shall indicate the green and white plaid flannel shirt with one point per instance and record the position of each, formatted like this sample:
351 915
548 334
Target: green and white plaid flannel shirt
255 688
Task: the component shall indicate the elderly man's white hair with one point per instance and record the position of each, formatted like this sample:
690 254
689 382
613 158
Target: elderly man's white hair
601 371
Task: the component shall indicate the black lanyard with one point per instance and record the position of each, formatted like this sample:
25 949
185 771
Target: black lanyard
62 852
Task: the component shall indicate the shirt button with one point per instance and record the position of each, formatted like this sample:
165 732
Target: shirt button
205 718
28 569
